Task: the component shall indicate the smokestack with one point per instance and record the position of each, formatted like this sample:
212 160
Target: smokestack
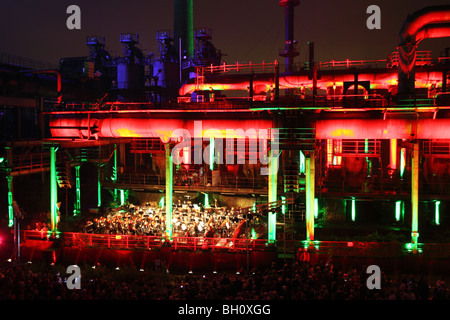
290 50
184 26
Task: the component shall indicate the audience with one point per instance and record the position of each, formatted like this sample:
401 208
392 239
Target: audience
292 281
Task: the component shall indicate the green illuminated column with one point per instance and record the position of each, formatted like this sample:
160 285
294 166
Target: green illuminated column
398 210
310 192
302 163
169 189
114 174
53 191
353 209
415 197
272 195
99 188
77 207
316 208
436 212
206 204
402 161
122 197
10 202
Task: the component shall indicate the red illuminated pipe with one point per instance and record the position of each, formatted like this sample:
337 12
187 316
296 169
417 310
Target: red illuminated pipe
383 129
263 84
83 127
429 22
433 31
419 19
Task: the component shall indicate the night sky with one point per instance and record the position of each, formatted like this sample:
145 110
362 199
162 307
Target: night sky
244 30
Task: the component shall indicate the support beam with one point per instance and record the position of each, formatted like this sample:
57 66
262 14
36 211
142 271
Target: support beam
415 197
310 194
353 209
99 187
398 210
77 206
436 212
393 156
53 191
114 174
402 161
272 195
9 178
169 190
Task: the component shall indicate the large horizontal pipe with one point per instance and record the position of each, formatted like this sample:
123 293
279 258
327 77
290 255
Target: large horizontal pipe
383 129
82 127
419 19
265 83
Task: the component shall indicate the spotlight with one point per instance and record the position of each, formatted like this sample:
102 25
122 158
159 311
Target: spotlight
141 270
117 268
190 272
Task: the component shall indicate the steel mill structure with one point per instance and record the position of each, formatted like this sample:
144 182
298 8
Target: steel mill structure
356 140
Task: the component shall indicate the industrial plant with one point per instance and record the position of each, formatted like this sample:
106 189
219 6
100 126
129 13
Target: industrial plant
179 159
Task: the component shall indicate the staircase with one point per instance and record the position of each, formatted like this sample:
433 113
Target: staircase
63 172
291 173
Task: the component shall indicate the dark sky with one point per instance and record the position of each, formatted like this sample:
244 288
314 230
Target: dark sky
244 30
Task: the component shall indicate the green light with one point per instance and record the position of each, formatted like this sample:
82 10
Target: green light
253 233
53 191
169 191
206 205
2 159
398 205
122 197
283 206
77 209
99 190
272 196
353 209
436 212
369 163
402 161
10 202
302 163
114 169
316 208
161 203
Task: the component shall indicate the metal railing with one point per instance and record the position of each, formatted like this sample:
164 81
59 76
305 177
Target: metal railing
362 249
115 241
238 67
27 63
30 162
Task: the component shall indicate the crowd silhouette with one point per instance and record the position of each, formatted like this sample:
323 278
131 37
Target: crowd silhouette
291 281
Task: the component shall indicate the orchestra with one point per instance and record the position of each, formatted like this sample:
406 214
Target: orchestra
148 220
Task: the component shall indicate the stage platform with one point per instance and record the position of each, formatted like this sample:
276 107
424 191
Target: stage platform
189 254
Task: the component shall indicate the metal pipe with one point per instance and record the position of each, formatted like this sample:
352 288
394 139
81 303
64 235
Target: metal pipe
420 25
